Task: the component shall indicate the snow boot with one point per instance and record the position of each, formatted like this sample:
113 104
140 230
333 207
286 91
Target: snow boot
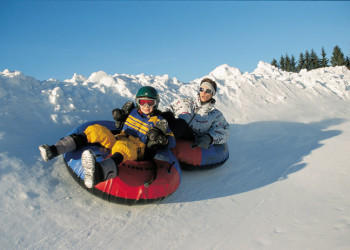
64 145
96 172
48 152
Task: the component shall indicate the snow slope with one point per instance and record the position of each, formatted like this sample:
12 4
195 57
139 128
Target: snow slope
285 185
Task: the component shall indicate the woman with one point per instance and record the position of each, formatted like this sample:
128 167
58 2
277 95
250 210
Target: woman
143 130
198 118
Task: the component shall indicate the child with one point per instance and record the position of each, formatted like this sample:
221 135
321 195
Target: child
143 131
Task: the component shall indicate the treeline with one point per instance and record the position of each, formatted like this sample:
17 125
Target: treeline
310 60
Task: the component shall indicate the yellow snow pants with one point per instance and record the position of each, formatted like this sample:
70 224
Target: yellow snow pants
130 147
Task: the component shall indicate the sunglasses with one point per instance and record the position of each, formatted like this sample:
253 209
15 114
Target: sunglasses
208 91
149 102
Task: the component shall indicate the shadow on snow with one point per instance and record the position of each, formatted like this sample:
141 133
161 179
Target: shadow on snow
261 153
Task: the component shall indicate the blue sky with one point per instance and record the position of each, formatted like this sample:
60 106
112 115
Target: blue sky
186 40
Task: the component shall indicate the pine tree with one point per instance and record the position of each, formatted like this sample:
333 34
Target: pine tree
311 60
274 63
337 58
347 62
301 62
282 63
307 60
314 61
287 63
324 61
293 66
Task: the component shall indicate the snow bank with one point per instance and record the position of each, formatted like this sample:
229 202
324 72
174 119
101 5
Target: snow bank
98 93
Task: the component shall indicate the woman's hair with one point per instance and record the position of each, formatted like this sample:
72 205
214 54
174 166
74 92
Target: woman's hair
213 83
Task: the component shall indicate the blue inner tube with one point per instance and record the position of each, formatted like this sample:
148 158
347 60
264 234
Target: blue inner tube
138 182
198 158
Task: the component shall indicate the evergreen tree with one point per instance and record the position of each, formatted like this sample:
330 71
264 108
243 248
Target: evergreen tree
307 60
282 63
337 58
301 62
324 61
274 63
314 61
311 60
287 63
347 62
293 66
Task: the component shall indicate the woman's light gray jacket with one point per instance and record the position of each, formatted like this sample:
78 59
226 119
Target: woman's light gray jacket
203 118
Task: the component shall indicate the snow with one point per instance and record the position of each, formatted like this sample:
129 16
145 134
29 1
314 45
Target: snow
285 185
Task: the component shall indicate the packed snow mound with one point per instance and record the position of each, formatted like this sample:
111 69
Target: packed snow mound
76 79
224 71
74 100
255 93
267 69
80 98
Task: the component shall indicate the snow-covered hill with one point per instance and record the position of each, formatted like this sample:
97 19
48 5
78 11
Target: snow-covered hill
285 185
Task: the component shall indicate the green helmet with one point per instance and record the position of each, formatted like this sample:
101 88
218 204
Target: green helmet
149 92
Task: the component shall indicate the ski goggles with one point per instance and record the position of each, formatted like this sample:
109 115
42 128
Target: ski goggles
208 91
145 101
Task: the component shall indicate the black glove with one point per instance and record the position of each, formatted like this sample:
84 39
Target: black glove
120 115
156 135
202 141
127 107
156 138
120 118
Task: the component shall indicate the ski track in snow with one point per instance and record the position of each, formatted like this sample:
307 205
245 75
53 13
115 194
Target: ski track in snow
285 185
